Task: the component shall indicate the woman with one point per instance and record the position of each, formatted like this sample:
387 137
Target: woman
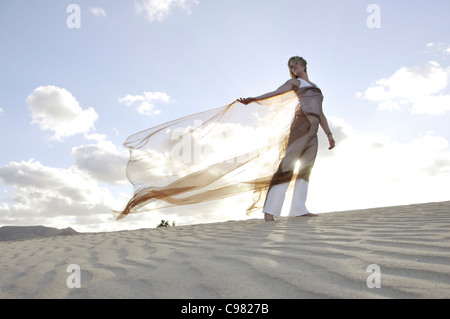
302 144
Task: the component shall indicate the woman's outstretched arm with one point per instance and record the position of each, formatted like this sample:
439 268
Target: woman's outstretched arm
292 84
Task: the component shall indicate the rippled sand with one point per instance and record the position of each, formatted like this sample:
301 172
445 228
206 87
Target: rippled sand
320 257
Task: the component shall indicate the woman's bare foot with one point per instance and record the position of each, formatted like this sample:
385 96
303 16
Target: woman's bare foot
268 217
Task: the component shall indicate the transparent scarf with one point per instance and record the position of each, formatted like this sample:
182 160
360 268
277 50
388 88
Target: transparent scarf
214 154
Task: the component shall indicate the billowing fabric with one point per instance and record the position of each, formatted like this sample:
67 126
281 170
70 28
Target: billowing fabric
219 153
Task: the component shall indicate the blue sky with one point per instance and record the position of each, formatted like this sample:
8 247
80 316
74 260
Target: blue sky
69 97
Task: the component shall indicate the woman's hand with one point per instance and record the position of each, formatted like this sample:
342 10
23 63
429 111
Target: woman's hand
247 100
331 141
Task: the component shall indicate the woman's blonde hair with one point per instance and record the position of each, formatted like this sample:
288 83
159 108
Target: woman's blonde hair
295 60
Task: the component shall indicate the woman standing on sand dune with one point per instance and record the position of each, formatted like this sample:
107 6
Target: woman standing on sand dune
248 146
302 144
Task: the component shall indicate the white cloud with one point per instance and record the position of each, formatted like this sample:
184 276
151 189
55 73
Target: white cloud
73 196
48 196
1 111
420 88
440 48
377 171
103 161
159 9
65 197
56 109
146 102
99 12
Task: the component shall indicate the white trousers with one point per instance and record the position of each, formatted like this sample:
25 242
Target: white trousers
277 194
303 148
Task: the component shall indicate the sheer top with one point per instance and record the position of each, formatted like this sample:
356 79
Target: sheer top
311 97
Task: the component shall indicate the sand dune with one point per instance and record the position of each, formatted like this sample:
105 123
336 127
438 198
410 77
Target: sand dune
9 233
320 257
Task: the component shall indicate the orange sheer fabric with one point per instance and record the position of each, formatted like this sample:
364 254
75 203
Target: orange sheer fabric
214 154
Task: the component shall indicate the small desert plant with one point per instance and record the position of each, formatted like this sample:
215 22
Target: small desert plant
165 223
